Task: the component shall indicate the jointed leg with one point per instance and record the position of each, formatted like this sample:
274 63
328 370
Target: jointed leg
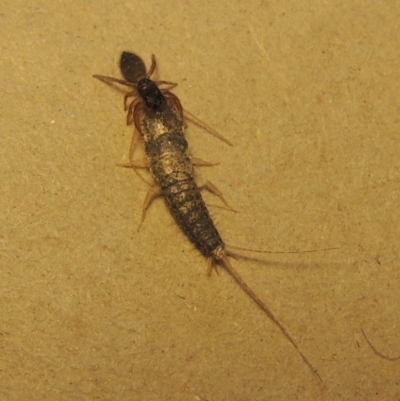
133 144
135 164
127 96
168 88
174 102
191 117
211 266
212 188
133 109
153 66
109 80
154 192
199 162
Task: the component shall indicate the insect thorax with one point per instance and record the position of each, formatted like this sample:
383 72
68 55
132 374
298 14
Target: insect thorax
150 93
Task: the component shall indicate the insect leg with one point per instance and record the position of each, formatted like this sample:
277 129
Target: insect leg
211 266
174 102
199 162
134 114
109 80
133 109
191 117
213 189
135 164
168 88
152 67
128 95
133 144
154 192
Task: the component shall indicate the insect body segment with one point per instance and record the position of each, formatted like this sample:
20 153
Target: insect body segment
158 117
171 166
150 93
132 67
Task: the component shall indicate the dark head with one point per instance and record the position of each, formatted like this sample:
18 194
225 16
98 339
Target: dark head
134 70
150 93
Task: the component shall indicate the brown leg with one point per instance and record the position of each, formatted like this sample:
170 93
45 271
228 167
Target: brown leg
109 80
132 110
135 164
191 117
128 95
213 189
171 85
136 114
133 145
174 102
199 162
154 192
211 266
135 168
153 66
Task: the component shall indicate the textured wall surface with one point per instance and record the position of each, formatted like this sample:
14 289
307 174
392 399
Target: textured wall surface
92 309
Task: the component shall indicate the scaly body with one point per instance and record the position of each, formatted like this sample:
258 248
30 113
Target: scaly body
158 117
172 169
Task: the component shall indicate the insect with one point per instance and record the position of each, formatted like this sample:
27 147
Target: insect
159 118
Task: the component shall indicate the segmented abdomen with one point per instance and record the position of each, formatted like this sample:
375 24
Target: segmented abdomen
188 208
171 167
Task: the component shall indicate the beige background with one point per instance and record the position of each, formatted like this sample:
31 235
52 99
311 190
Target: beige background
91 309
